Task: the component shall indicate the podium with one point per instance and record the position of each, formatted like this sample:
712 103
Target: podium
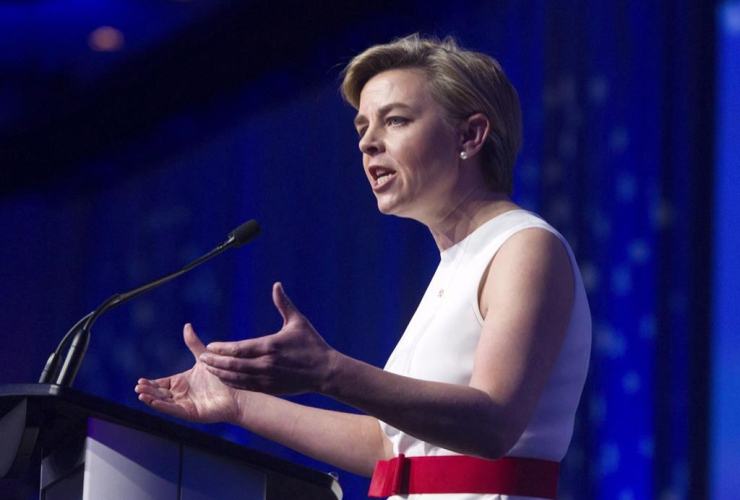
94 449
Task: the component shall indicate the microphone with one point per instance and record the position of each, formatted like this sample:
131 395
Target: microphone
80 332
244 234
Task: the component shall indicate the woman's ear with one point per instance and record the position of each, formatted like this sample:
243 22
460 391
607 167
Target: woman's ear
473 133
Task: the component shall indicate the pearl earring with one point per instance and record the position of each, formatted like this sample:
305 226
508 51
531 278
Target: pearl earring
463 155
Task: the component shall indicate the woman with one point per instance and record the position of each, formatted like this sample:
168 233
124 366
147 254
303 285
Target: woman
493 362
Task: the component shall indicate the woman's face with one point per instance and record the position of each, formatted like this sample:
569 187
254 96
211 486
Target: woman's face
409 150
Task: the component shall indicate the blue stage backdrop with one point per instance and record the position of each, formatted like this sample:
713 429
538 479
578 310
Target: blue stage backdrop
725 433
617 155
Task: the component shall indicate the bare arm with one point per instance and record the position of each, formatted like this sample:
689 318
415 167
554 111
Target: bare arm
351 442
527 298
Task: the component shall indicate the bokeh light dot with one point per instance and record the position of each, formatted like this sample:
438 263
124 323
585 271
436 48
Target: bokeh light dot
106 39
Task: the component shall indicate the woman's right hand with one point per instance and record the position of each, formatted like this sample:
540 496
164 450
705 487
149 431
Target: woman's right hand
194 395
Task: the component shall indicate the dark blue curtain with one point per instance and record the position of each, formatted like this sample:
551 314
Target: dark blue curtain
617 155
627 176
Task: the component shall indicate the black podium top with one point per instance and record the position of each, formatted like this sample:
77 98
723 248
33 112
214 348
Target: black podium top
57 410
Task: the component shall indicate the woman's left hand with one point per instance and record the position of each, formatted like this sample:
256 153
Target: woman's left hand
294 360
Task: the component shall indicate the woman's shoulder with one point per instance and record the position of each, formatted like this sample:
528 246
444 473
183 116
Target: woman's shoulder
498 230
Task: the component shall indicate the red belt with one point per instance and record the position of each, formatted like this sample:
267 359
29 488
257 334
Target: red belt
526 477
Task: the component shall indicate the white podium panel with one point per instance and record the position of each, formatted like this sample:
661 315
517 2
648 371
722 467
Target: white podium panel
123 463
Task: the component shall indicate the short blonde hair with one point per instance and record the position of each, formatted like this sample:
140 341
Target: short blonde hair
463 82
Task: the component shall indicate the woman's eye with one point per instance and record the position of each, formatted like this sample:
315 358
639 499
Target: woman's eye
396 120
361 131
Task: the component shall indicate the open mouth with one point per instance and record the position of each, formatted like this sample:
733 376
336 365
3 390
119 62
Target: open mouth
381 175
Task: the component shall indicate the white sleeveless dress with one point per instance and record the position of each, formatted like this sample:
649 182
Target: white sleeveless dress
440 341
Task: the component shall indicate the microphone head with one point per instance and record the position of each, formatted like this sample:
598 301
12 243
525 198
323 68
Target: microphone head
245 233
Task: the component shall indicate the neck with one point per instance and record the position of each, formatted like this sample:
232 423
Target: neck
474 209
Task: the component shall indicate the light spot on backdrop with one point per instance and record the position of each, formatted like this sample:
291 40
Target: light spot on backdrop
662 213
600 224
106 39
203 289
560 93
560 210
670 494
732 18
621 280
553 172
619 140
598 89
567 89
126 355
626 187
646 446
609 342
631 382
609 459
639 251
590 276
144 313
626 495
681 475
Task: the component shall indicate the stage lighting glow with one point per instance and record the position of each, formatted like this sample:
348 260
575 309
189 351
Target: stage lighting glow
106 39
724 446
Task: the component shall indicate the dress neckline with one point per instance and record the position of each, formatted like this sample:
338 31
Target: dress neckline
451 253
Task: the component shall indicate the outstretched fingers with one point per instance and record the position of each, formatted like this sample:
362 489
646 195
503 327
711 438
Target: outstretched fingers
192 341
156 394
149 390
238 365
283 303
261 346
250 348
160 388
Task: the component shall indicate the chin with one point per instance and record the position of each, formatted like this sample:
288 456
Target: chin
400 206
388 206
394 209
385 210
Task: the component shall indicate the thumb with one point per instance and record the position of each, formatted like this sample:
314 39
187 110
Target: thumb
192 341
283 304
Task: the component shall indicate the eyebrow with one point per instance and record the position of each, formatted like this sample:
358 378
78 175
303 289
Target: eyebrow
362 119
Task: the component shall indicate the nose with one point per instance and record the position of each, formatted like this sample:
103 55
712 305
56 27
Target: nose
371 143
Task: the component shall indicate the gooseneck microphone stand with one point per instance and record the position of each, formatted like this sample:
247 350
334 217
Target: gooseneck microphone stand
79 334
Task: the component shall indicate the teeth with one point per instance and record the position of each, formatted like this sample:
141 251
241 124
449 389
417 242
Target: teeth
383 179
